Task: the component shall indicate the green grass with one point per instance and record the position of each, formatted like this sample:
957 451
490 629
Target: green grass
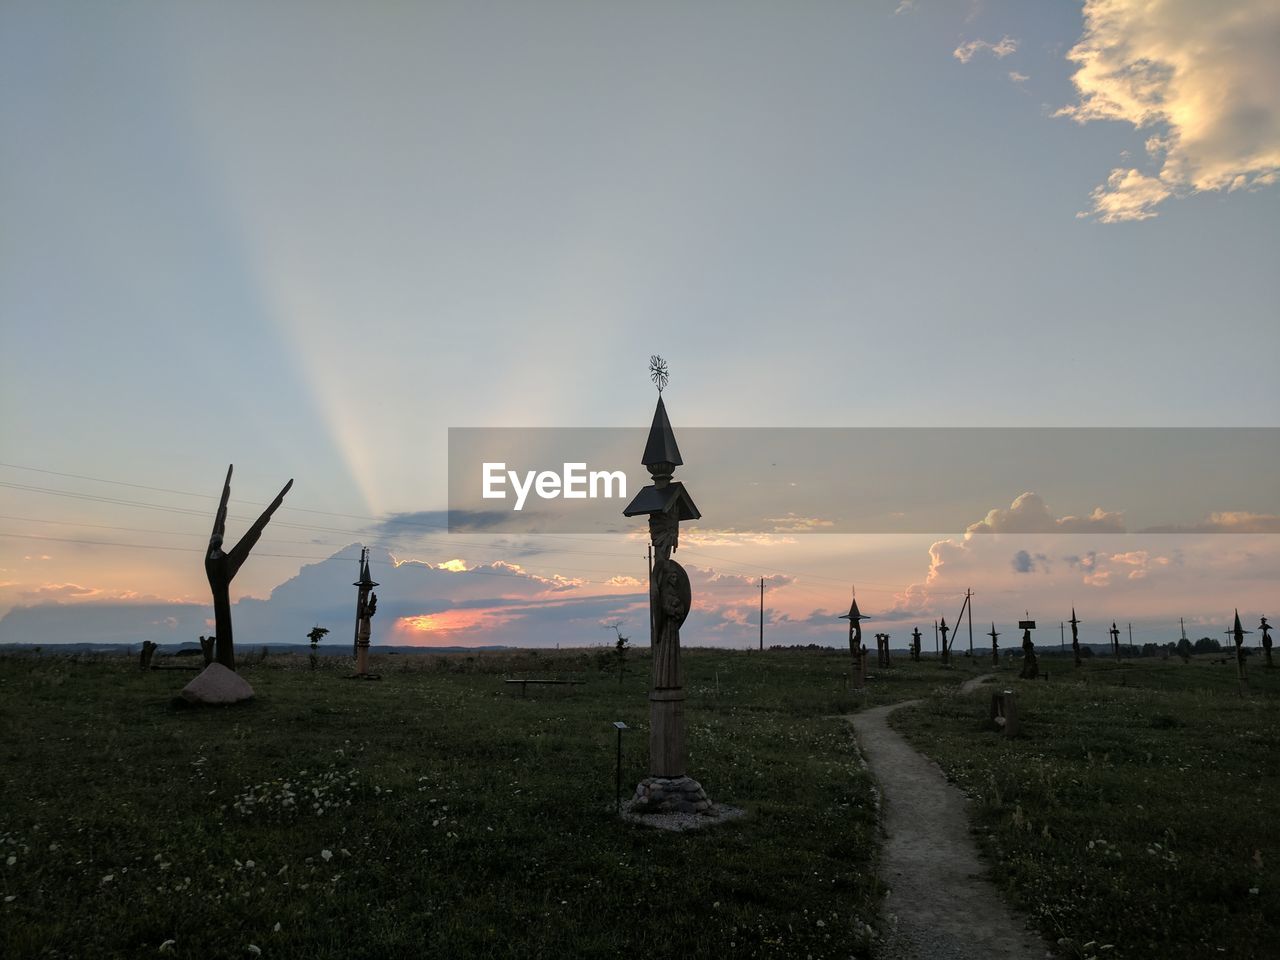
1137 811
459 818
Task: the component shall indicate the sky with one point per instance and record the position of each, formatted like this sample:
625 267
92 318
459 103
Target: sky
311 238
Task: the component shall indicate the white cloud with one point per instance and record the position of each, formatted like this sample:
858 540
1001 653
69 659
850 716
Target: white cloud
1127 195
1226 521
1017 77
1000 49
1204 79
792 523
1030 514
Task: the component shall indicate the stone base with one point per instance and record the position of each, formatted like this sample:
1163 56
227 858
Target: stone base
670 795
216 685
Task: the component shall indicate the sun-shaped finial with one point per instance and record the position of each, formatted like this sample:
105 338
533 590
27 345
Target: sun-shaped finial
658 371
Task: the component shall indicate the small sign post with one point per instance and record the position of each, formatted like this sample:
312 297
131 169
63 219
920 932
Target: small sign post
617 788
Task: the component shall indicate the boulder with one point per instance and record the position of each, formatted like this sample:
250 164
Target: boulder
217 685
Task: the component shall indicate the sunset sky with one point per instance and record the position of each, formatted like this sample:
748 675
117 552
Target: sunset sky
309 238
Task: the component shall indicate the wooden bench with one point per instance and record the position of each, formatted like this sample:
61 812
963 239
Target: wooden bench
524 684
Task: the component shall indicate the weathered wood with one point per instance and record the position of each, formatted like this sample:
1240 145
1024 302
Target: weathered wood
221 567
1004 712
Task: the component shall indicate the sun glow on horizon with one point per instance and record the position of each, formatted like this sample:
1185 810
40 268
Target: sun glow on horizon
451 626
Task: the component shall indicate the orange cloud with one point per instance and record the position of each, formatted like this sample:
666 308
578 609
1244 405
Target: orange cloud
450 626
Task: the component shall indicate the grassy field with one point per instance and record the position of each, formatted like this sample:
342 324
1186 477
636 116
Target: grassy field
1136 815
433 813
439 813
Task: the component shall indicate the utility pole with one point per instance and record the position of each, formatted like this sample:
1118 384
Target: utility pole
1131 639
935 636
762 614
969 596
1062 635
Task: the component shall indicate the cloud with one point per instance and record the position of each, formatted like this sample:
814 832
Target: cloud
621 581
1030 514
1204 79
1087 563
1127 195
1017 77
698 536
794 524
431 603
1000 49
1024 562
60 591
1226 521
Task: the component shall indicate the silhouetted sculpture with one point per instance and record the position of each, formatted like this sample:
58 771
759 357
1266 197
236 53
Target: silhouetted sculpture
668 788
221 568
855 618
366 607
1237 634
1075 636
1115 639
1030 667
946 650
915 644
148 651
363 586
882 650
206 648
1266 640
995 646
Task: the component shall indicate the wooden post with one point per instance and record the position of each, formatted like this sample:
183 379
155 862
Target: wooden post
362 647
968 602
762 614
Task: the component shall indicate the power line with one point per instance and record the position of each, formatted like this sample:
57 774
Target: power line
756 569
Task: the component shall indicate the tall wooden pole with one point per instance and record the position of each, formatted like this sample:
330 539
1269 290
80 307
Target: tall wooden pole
969 597
762 614
1062 635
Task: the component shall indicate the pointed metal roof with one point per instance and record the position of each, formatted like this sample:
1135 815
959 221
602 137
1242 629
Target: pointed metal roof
365 580
654 499
661 447
854 613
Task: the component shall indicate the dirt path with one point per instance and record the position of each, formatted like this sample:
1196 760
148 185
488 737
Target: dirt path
940 906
